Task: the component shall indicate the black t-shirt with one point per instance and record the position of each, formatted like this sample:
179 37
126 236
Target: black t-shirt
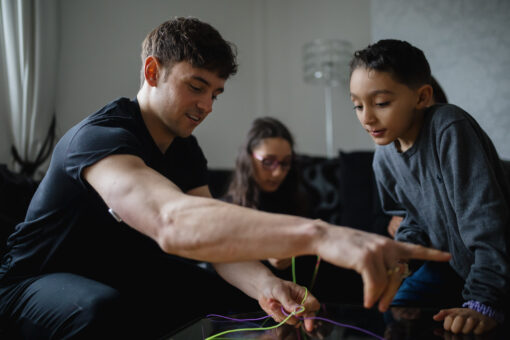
68 227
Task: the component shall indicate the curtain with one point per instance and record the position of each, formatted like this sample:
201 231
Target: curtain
29 52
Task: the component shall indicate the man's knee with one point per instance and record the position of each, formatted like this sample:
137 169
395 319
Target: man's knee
65 306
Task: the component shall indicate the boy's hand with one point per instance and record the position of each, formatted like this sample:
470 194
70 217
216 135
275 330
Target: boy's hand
465 320
393 225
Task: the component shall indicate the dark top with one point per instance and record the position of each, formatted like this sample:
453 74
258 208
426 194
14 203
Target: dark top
452 190
67 226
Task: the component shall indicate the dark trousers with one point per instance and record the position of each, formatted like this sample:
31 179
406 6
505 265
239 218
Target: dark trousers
147 304
434 284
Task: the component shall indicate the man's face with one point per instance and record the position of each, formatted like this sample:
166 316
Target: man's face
184 96
385 108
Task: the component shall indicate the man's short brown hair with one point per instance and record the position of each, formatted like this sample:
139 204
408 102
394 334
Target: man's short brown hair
191 40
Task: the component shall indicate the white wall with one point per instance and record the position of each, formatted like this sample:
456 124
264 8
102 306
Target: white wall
100 47
467 43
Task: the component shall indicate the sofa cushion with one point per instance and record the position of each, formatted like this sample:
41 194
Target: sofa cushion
16 191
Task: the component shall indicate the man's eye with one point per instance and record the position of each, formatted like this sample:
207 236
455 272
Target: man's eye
194 88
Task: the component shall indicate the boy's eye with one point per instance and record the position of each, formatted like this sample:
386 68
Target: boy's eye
382 104
357 107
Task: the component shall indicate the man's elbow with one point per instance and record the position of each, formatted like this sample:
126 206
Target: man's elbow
177 239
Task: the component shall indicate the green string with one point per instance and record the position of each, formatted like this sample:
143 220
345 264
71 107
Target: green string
315 271
301 309
293 269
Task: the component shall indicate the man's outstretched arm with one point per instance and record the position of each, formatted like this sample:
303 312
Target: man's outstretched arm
210 230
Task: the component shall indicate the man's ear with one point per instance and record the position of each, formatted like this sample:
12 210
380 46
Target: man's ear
425 96
151 70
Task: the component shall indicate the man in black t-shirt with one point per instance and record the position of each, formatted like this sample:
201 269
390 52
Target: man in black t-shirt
102 252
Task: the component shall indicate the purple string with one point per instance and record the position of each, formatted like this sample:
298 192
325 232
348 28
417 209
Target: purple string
301 318
240 320
338 324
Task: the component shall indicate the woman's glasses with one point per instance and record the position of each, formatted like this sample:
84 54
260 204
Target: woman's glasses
271 163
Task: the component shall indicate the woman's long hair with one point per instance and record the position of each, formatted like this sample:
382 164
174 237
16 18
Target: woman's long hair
243 189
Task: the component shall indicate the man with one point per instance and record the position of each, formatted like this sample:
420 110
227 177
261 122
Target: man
125 199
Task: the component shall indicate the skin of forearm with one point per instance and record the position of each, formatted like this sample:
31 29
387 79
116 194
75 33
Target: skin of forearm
249 277
214 231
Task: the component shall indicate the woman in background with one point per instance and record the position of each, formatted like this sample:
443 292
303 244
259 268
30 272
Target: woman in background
265 176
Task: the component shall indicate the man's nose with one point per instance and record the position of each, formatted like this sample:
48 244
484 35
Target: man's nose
205 105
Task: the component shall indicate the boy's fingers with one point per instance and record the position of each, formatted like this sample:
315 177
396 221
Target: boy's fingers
458 324
447 324
469 325
440 315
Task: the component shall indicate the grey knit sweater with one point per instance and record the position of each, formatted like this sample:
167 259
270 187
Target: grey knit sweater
453 191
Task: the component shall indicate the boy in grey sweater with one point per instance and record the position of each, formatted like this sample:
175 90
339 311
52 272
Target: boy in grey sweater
439 170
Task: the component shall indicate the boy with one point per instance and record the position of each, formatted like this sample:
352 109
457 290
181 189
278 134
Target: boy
438 169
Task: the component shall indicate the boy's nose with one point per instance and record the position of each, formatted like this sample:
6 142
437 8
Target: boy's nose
367 117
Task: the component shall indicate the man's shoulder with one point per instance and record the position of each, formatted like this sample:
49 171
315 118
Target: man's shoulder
119 108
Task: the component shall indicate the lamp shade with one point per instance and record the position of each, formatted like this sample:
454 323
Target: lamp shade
326 61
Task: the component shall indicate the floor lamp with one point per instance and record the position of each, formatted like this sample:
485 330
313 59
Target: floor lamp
326 63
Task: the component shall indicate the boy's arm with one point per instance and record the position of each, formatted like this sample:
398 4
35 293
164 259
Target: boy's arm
473 178
409 230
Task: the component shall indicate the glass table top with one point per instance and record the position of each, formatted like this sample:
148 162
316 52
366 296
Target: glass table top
335 322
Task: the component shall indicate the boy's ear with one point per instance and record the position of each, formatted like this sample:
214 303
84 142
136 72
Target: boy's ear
151 70
425 96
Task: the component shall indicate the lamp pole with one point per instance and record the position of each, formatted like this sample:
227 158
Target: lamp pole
329 122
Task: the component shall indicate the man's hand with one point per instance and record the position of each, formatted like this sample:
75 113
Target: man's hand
465 320
278 293
280 263
375 258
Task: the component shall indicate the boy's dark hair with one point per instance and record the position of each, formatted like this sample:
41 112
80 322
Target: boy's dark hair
439 95
191 40
406 63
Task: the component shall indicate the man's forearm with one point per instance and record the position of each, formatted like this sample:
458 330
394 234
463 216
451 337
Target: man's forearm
214 231
249 277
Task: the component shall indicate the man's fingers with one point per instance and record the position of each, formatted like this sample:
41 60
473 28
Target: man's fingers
395 280
375 280
412 251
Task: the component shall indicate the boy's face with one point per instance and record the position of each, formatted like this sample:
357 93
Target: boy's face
387 110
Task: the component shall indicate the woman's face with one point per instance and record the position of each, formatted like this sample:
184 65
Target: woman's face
271 160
